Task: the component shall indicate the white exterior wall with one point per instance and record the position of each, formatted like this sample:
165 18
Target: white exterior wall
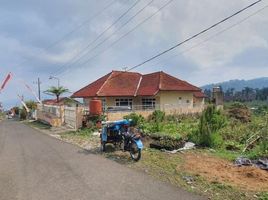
165 100
172 98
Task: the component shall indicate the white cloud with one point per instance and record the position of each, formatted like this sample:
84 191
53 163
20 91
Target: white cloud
28 27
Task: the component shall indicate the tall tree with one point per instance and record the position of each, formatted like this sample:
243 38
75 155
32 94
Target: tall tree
57 91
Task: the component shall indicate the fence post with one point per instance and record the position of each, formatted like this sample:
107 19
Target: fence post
76 117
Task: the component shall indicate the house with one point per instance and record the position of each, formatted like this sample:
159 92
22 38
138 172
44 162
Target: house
62 101
152 91
66 111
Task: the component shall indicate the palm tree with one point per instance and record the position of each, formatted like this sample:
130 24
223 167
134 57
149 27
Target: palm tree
57 91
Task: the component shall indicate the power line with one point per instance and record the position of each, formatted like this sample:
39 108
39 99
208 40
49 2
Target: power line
82 24
148 60
102 33
213 36
74 30
123 36
194 36
107 38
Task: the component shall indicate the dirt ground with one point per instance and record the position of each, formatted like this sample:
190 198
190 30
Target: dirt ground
218 170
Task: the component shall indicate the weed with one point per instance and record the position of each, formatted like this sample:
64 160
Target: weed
39 125
263 196
137 120
211 121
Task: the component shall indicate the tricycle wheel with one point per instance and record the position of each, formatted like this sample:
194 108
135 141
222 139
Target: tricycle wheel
103 146
135 152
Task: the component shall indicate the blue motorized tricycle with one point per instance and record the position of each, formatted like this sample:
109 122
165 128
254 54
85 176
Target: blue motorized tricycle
120 133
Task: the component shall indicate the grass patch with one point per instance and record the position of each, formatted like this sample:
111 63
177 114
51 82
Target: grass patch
39 125
263 196
160 165
83 138
176 130
225 154
84 133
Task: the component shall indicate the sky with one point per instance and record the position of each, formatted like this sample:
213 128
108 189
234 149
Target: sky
66 39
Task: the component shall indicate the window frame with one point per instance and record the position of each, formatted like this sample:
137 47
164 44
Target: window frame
126 102
148 103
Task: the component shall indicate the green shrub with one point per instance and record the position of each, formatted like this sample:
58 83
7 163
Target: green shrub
263 196
182 117
210 122
16 110
233 145
23 114
31 105
96 118
157 116
216 140
153 127
167 143
137 120
261 110
261 149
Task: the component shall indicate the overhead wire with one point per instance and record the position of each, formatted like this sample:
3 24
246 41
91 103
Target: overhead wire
78 27
101 34
124 35
110 36
199 33
194 36
213 36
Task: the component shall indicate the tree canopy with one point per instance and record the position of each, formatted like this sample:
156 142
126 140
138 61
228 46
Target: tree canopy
57 91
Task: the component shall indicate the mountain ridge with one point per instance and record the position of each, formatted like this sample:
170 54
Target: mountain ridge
240 84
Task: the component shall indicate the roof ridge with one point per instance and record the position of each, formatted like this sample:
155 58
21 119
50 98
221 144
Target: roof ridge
118 71
138 86
111 74
159 86
91 83
152 73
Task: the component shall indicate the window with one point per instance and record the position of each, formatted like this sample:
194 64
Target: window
103 101
123 102
180 100
148 103
187 101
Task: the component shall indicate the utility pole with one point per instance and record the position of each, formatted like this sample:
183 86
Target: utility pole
39 88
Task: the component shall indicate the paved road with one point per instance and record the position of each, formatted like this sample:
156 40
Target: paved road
34 166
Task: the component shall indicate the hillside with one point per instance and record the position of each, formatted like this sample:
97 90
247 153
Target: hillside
238 85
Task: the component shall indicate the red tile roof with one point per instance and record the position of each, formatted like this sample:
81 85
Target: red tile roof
54 101
119 83
200 95
92 89
149 84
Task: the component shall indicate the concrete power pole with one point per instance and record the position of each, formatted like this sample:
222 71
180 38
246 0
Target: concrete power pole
39 88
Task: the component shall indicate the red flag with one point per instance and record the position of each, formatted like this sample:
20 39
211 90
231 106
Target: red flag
5 81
